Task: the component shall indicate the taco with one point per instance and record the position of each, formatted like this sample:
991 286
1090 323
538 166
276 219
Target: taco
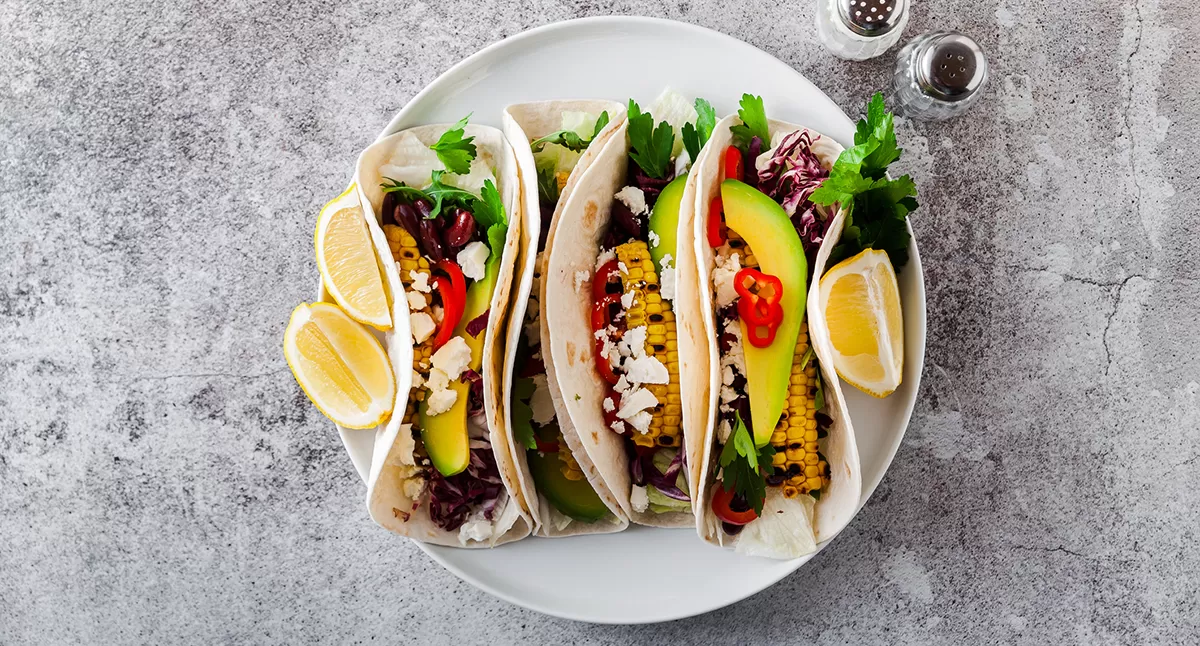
560 486
607 300
447 199
778 470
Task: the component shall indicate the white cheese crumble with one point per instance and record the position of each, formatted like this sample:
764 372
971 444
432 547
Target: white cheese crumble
541 403
453 358
638 498
622 384
422 326
438 313
416 301
439 401
724 431
728 394
605 256
727 376
420 280
654 239
627 300
609 406
646 370
722 278
477 528
633 343
473 260
641 422
634 198
417 379
413 488
617 427
667 278
581 277
636 401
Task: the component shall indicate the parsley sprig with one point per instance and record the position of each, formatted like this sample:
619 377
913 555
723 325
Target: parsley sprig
547 186
455 151
570 139
754 122
650 146
877 206
487 208
695 136
744 467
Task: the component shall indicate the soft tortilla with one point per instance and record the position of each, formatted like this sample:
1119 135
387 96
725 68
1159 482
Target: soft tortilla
524 122
566 324
839 503
392 457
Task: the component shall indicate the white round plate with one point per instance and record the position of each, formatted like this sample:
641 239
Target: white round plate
605 578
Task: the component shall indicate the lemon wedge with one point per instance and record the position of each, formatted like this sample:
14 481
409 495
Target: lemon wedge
340 365
348 263
862 310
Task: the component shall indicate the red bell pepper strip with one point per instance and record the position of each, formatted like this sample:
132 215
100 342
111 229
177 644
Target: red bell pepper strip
604 276
452 310
603 366
545 447
733 163
601 321
716 210
721 506
457 280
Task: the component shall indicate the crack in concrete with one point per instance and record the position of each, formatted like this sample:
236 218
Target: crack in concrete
1133 169
1060 548
209 375
1108 360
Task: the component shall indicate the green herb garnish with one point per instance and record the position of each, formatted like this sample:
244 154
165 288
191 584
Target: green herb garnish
754 122
522 413
570 139
649 147
876 206
455 152
487 209
694 137
547 186
744 466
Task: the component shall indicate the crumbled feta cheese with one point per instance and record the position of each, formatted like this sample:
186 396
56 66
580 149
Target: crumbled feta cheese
638 498
609 406
581 277
413 486
422 326
437 380
627 300
477 528
722 278
608 349
622 268
440 401
682 163
617 426
667 278
533 332
416 301
735 357
420 280
636 401
417 379
634 198
646 370
438 313
727 375
605 256
654 239
724 431
473 260
622 384
541 403
728 394
635 341
641 422
453 358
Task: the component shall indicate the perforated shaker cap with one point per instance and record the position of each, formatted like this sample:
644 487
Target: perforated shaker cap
872 17
952 67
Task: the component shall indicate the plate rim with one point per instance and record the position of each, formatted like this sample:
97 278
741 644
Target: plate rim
449 76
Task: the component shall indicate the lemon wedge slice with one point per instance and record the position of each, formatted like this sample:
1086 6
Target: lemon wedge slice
340 365
862 310
348 263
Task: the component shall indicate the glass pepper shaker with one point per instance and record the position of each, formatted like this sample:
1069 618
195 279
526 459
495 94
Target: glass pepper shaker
939 75
860 29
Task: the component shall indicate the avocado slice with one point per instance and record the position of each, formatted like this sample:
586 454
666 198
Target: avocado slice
445 435
664 221
574 498
769 232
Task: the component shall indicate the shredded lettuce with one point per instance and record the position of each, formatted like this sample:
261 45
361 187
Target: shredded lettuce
783 531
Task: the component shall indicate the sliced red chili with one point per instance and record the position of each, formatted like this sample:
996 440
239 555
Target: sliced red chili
603 366
733 163
457 280
600 311
604 276
722 506
759 305
610 416
716 237
452 310
763 335
546 447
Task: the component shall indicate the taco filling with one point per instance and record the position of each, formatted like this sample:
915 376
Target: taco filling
636 343
555 471
446 227
771 422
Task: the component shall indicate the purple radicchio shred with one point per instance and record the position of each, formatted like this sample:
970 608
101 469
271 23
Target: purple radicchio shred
451 499
479 323
790 177
665 482
750 159
636 471
625 224
475 398
650 186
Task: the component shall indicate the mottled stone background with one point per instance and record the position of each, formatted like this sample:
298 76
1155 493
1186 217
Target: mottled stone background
163 479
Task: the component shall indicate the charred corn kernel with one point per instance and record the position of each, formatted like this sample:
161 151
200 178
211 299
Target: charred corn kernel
404 251
561 177
638 277
790 491
738 244
570 467
795 435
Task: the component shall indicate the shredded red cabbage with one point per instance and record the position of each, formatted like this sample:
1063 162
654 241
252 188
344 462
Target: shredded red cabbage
665 482
479 323
790 177
475 401
451 499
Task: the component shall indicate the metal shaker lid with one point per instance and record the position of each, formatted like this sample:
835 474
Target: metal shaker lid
872 17
952 67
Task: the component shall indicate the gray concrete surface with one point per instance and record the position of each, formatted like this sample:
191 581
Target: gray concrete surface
163 479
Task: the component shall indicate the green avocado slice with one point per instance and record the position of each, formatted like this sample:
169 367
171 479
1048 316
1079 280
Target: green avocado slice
664 222
574 498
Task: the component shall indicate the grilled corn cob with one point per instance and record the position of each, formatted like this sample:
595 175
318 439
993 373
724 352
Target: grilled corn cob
408 258
570 467
738 244
638 277
795 437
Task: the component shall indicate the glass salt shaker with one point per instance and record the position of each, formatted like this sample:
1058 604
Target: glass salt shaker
860 29
939 75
